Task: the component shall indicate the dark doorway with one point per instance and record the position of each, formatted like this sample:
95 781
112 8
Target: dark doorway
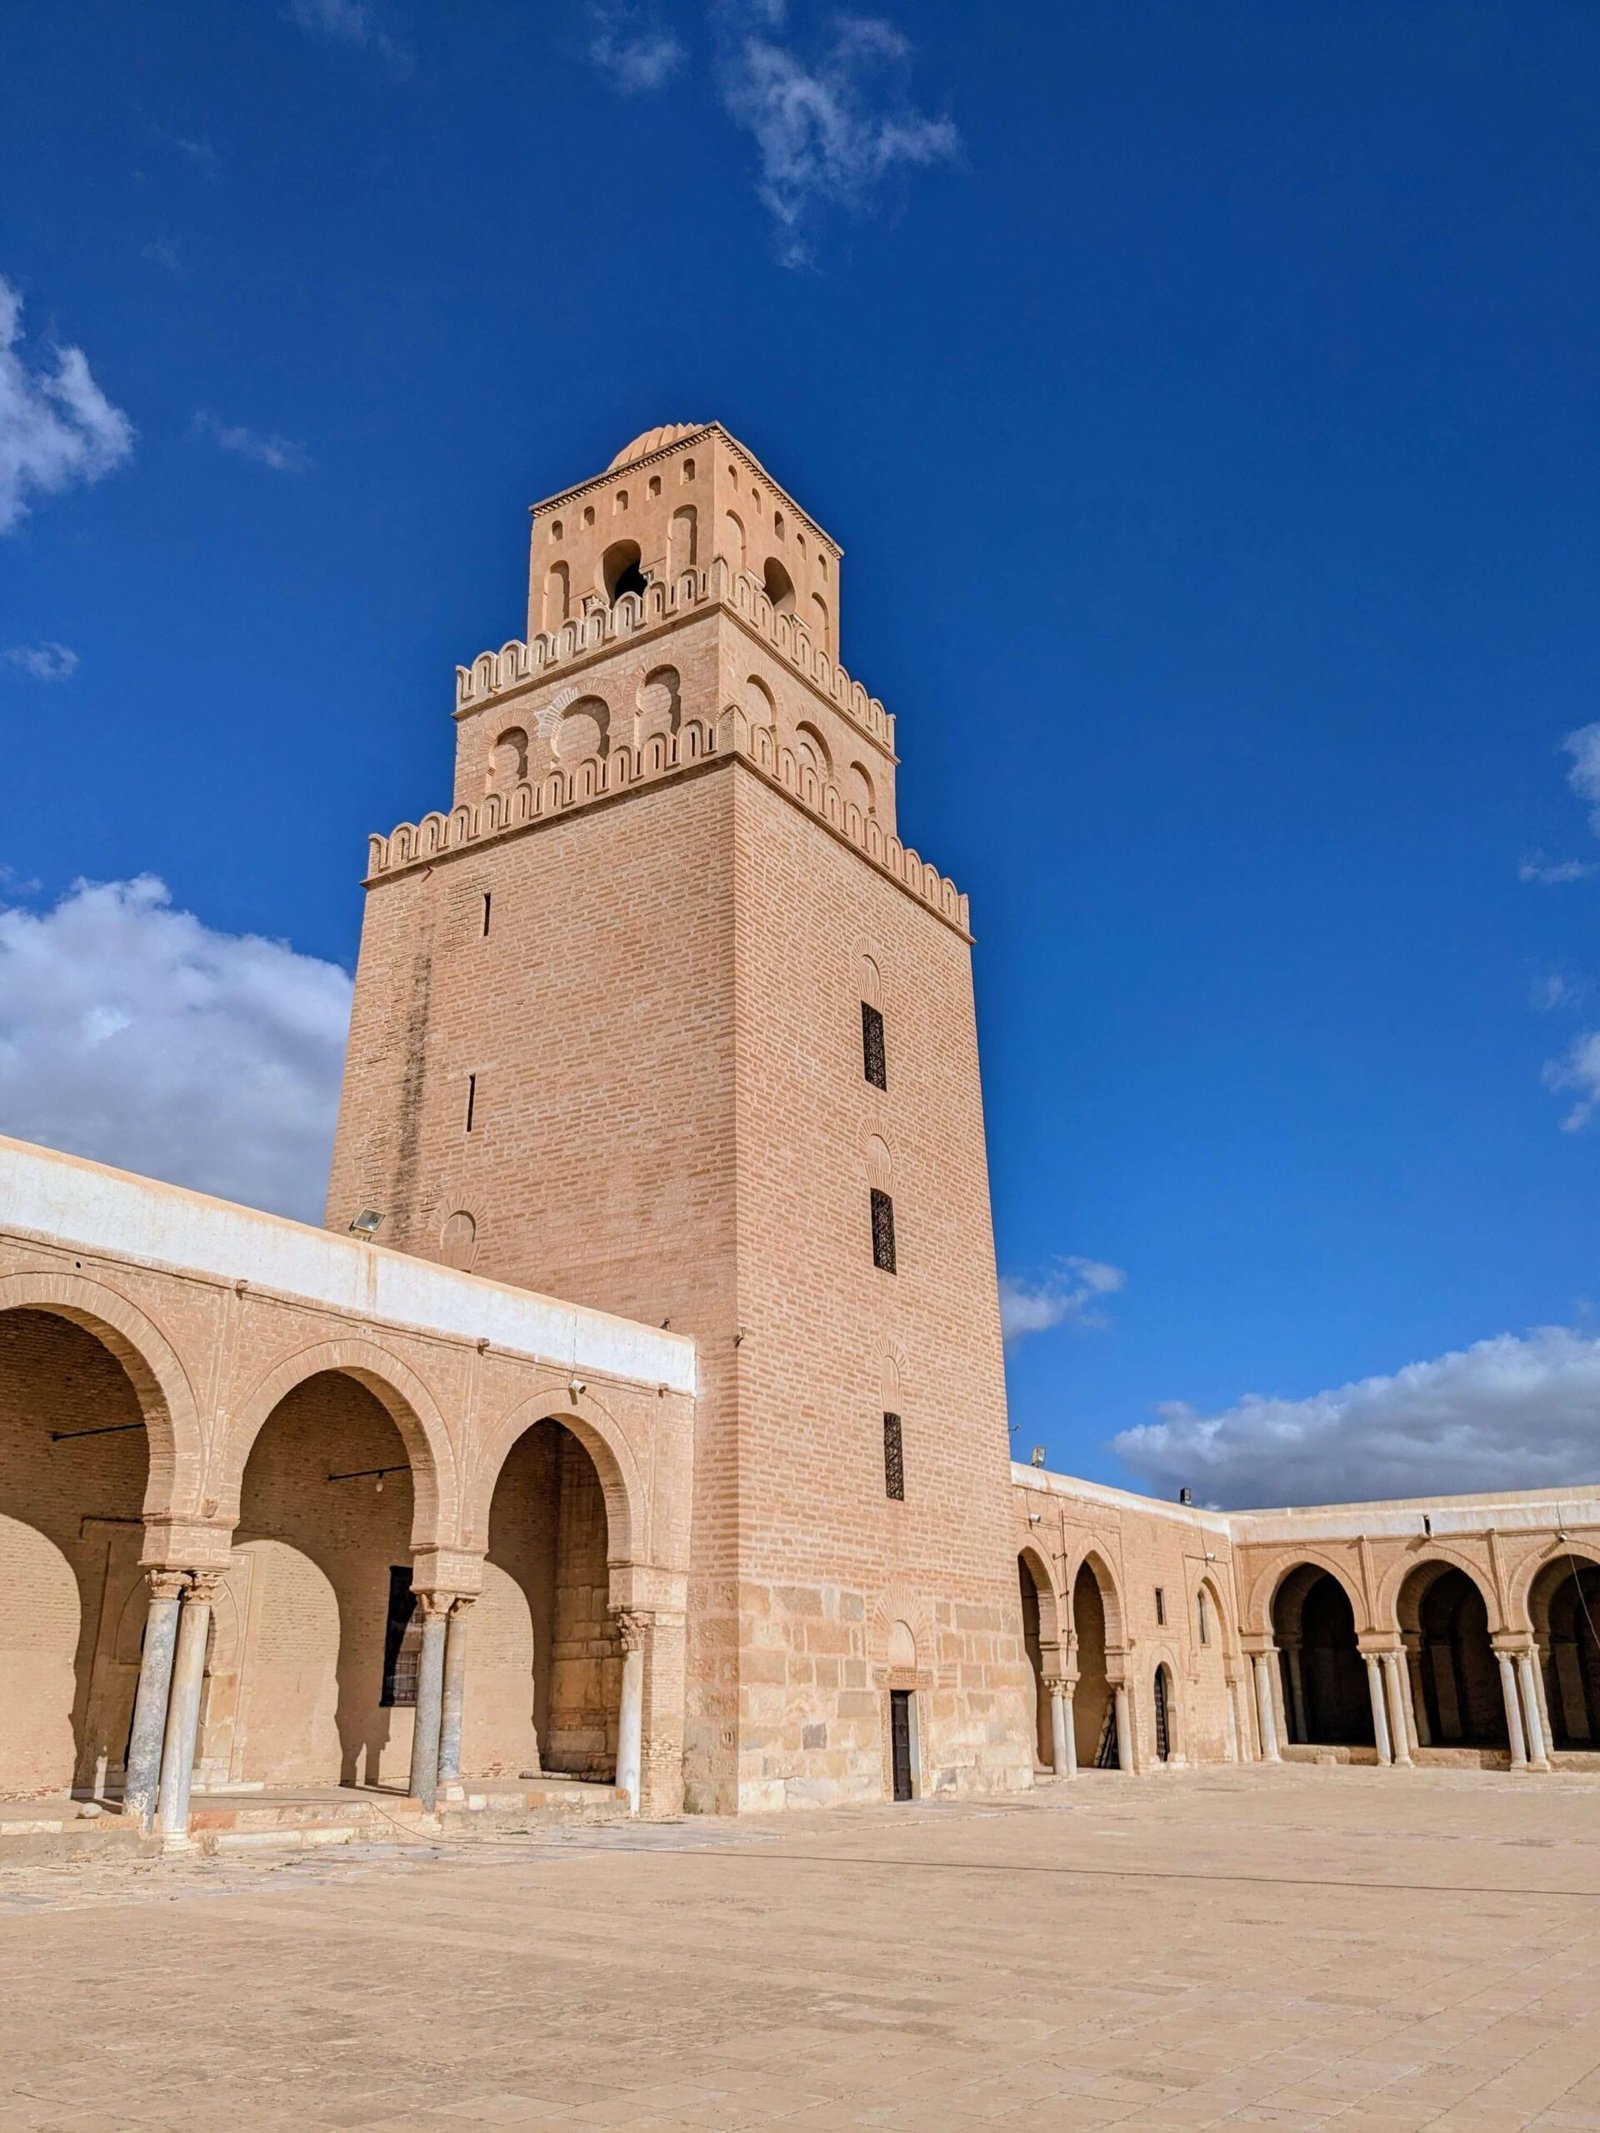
1462 1699
900 1741
1566 1608
1325 1693
1163 1718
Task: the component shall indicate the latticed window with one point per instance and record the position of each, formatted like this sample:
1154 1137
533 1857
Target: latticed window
882 1231
402 1640
874 1060
894 1459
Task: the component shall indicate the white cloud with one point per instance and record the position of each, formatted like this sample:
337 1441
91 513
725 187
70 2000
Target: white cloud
828 134
161 253
282 454
44 662
1548 872
1577 1072
1508 1413
353 22
1583 746
631 49
56 426
1070 1294
132 1033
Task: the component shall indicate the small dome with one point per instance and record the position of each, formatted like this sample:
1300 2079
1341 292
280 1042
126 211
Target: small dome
653 441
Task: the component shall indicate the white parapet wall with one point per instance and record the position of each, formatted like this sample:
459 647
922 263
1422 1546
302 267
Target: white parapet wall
61 1199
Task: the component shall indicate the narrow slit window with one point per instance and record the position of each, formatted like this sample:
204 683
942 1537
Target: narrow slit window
1205 1618
402 1640
894 1460
487 902
472 1098
882 1231
1161 1608
874 1060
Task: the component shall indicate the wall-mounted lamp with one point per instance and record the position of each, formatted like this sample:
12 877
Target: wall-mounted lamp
367 1223
1034 1517
577 1388
1036 1456
1186 1496
1427 1525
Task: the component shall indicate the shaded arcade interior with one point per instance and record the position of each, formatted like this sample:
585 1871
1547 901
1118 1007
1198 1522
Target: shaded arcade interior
309 1676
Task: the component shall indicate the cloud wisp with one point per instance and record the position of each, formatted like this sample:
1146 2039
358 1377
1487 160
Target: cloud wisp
829 133
632 49
1515 1412
1549 873
44 662
1577 1072
282 454
132 1033
357 23
57 428
1073 1293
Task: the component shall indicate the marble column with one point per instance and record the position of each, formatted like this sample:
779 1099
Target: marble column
1266 1710
1059 1754
183 1710
633 1627
453 1694
1399 1718
1297 1687
142 1778
1508 1691
428 1716
1380 1720
1537 1758
1124 1729
1421 1736
1540 1680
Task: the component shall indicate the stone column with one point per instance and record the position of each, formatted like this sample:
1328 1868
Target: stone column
1266 1712
1124 1728
453 1694
1231 1717
1058 1725
1420 1735
1537 1758
427 1718
142 1779
1399 1721
632 1627
183 1710
1508 1690
1539 1682
1297 1687
1380 1722
662 1697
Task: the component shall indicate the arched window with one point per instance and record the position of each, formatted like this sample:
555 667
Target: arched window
733 539
619 570
683 541
557 597
779 586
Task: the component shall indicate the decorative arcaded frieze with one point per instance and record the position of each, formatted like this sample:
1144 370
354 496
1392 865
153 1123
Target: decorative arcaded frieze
559 791
494 674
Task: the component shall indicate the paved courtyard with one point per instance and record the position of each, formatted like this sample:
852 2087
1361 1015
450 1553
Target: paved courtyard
1300 1948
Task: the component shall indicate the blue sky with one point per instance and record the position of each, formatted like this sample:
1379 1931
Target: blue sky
1205 397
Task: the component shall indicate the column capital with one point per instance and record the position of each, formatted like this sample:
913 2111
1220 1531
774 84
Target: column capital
432 1601
1057 1684
634 1625
202 1588
167 1584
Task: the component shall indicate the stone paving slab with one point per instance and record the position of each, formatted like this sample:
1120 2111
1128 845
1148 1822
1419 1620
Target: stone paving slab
1298 1948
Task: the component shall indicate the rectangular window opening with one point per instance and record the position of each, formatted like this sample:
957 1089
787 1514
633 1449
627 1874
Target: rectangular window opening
874 1059
894 1460
472 1098
487 901
882 1231
402 1641
1161 1608
1205 1620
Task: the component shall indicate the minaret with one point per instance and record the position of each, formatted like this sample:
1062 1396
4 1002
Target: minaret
663 1018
